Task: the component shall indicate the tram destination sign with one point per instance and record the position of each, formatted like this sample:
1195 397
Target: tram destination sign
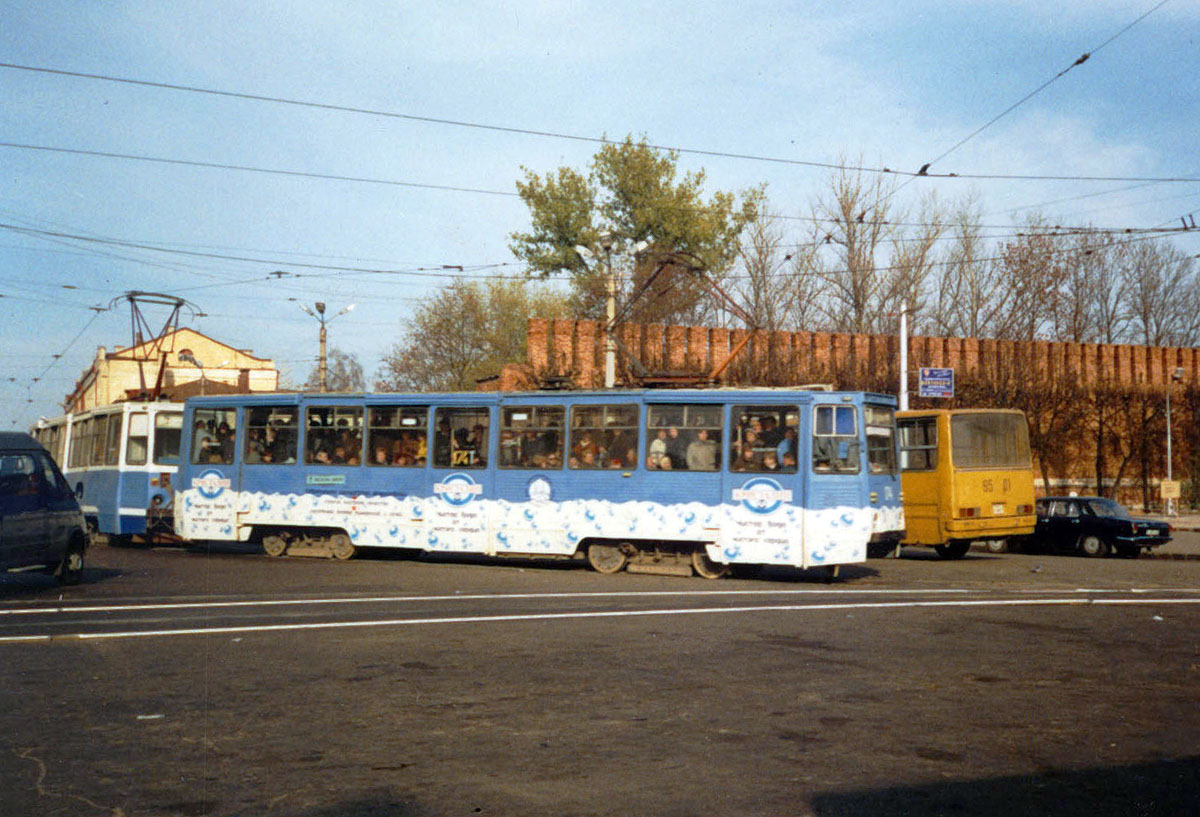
935 382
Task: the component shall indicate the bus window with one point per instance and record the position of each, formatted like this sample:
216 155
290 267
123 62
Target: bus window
764 438
532 436
334 435
989 441
461 439
918 444
604 436
167 428
397 435
138 439
684 437
835 439
881 439
271 435
214 435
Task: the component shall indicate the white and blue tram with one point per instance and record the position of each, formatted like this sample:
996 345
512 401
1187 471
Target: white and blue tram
120 460
656 481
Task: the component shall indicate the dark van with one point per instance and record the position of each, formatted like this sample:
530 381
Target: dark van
41 526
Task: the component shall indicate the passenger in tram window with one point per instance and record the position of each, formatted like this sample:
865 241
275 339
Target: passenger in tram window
381 456
746 460
664 463
652 462
339 455
676 448
658 446
267 456
770 462
787 445
771 435
322 458
702 452
788 462
353 459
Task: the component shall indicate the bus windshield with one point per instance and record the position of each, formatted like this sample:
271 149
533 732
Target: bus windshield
982 440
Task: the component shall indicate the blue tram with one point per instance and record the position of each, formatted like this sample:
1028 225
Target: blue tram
120 460
646 480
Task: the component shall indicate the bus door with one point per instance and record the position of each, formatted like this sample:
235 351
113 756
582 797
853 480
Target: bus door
763 487
462 477
839 516
925 481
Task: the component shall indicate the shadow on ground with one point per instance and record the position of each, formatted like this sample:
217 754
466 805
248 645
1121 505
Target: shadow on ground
1164 789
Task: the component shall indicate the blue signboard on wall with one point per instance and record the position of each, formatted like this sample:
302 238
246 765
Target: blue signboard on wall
936 383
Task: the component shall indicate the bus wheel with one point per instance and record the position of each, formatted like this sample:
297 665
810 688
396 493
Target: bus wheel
341 546
606 558
996 545
953 550
705 567
274 545
1092 546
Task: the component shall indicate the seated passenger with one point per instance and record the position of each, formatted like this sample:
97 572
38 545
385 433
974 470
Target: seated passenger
381 456
702 452
769 462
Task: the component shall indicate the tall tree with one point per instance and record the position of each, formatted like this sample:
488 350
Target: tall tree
661 227
464 332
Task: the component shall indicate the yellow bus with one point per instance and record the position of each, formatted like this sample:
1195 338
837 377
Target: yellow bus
966 476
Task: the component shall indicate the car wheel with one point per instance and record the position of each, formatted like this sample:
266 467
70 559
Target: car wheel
71 569
1093 546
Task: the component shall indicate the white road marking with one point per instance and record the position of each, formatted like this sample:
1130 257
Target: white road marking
402 622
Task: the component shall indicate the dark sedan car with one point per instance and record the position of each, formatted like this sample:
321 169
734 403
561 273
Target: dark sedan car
1095 526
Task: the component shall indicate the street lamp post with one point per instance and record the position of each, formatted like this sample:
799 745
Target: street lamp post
322 361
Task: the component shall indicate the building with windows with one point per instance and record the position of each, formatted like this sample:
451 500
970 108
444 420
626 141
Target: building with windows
177 365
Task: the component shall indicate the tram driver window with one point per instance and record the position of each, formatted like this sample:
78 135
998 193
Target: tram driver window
138 439
531 437
835 440
763 438
213 434
333 435
461 438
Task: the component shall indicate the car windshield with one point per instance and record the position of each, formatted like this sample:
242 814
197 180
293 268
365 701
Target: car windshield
1109 508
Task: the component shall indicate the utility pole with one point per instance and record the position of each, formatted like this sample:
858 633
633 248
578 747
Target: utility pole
904 358
610 312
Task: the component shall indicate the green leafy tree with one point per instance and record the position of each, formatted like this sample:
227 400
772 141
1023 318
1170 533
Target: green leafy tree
465 332
661 226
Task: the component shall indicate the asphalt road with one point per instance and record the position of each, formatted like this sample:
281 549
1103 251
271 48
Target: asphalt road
186 682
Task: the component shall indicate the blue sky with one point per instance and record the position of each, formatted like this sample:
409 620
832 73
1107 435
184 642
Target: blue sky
894 83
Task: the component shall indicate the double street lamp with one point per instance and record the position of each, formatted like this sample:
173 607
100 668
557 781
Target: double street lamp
322 360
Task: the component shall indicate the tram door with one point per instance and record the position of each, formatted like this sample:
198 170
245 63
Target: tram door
463 447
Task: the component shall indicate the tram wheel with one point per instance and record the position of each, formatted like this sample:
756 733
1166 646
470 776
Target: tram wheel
274 546
341 546
706 567
605 557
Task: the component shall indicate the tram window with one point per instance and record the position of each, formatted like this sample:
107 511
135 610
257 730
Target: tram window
763 438
99 434
835 439
112 443
531 436
683 437
334 435
880 423
214 433
397 435
604 436
81 443
271 435
167 428
138 439
918 444
461 438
